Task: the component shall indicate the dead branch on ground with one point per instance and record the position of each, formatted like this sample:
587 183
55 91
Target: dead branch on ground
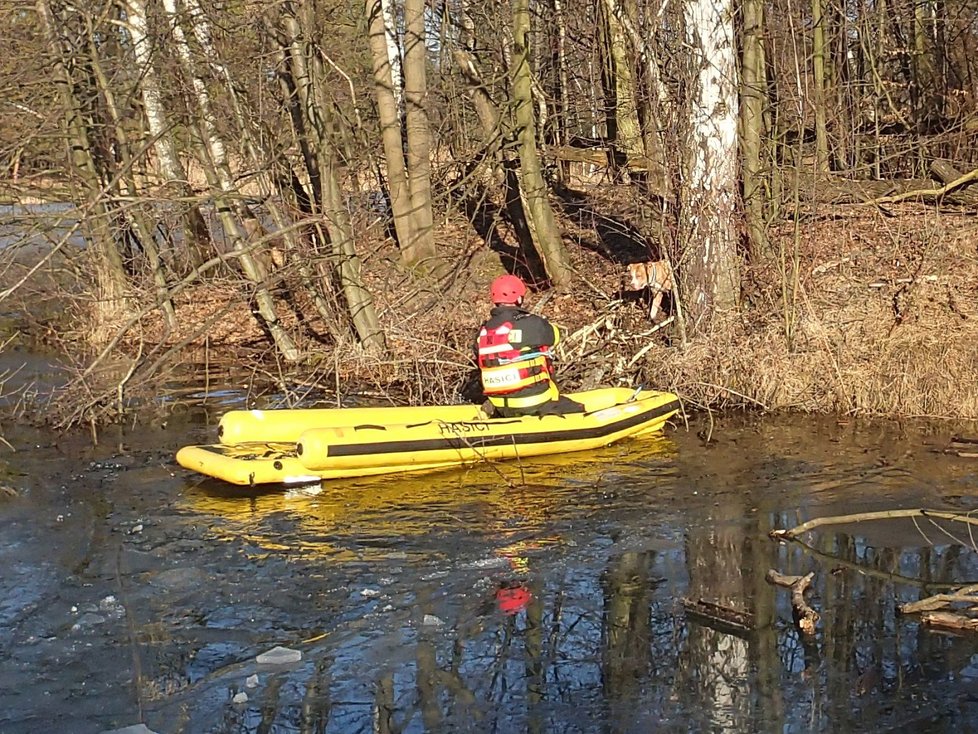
962 180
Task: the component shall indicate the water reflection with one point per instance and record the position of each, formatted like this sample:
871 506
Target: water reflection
507 503
162 590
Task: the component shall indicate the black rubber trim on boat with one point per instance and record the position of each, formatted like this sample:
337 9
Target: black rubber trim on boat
475 441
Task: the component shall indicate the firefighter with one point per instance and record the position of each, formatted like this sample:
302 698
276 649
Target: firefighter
515 356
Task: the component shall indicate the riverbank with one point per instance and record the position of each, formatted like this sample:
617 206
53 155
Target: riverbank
856 312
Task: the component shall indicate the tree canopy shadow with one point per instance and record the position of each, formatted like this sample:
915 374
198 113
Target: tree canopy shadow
616 238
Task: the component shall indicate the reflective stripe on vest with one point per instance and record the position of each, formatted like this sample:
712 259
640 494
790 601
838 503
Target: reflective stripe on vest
521 402
504 367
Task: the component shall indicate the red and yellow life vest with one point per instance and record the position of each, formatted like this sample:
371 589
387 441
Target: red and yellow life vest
507 365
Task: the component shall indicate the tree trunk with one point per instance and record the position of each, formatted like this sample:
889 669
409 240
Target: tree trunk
534 189
110 274
628 134
347 261
418 132
819 49
196 237
709 195
219 175
504 169
392 39
562 103
657 105
399 187
753 103
132 215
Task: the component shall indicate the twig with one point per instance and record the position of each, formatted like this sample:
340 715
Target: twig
730 390
868 571
641 352
868 516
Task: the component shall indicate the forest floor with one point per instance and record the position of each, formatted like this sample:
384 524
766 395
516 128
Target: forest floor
857 311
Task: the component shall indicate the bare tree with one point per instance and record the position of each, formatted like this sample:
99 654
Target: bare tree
543 225
196 236
111 280
621 84
214 154
819 51
408 180
417 128
753 102
314 122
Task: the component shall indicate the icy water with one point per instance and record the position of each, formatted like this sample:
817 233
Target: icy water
546 597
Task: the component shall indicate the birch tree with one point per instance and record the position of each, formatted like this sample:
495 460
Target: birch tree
196 237
133 215
408 181
392 38
214 156
709 195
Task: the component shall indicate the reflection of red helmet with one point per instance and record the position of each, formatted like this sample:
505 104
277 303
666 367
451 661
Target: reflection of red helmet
507 289
513 599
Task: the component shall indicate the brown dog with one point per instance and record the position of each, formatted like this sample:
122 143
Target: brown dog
654 275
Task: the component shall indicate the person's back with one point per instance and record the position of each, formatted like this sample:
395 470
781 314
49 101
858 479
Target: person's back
514 351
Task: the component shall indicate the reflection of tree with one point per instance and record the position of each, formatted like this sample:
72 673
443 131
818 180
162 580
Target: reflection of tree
384 705
600 648
535 678
316 703
627 627
715 668
765 659
427 685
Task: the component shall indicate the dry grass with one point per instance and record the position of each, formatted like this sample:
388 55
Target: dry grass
885 322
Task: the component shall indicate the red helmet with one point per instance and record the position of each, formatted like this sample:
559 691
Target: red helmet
507 289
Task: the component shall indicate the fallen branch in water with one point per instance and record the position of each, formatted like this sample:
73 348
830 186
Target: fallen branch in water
950 621
724 617
805 617
966 448
967 594
867 516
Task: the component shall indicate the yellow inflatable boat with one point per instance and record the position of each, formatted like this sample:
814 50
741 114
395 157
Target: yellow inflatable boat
307 445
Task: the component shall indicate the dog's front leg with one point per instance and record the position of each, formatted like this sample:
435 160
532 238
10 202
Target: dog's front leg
656 303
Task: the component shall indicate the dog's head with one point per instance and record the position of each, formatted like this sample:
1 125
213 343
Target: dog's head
653 275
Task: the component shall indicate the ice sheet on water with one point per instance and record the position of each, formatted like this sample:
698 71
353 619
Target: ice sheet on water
279 656
134 729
